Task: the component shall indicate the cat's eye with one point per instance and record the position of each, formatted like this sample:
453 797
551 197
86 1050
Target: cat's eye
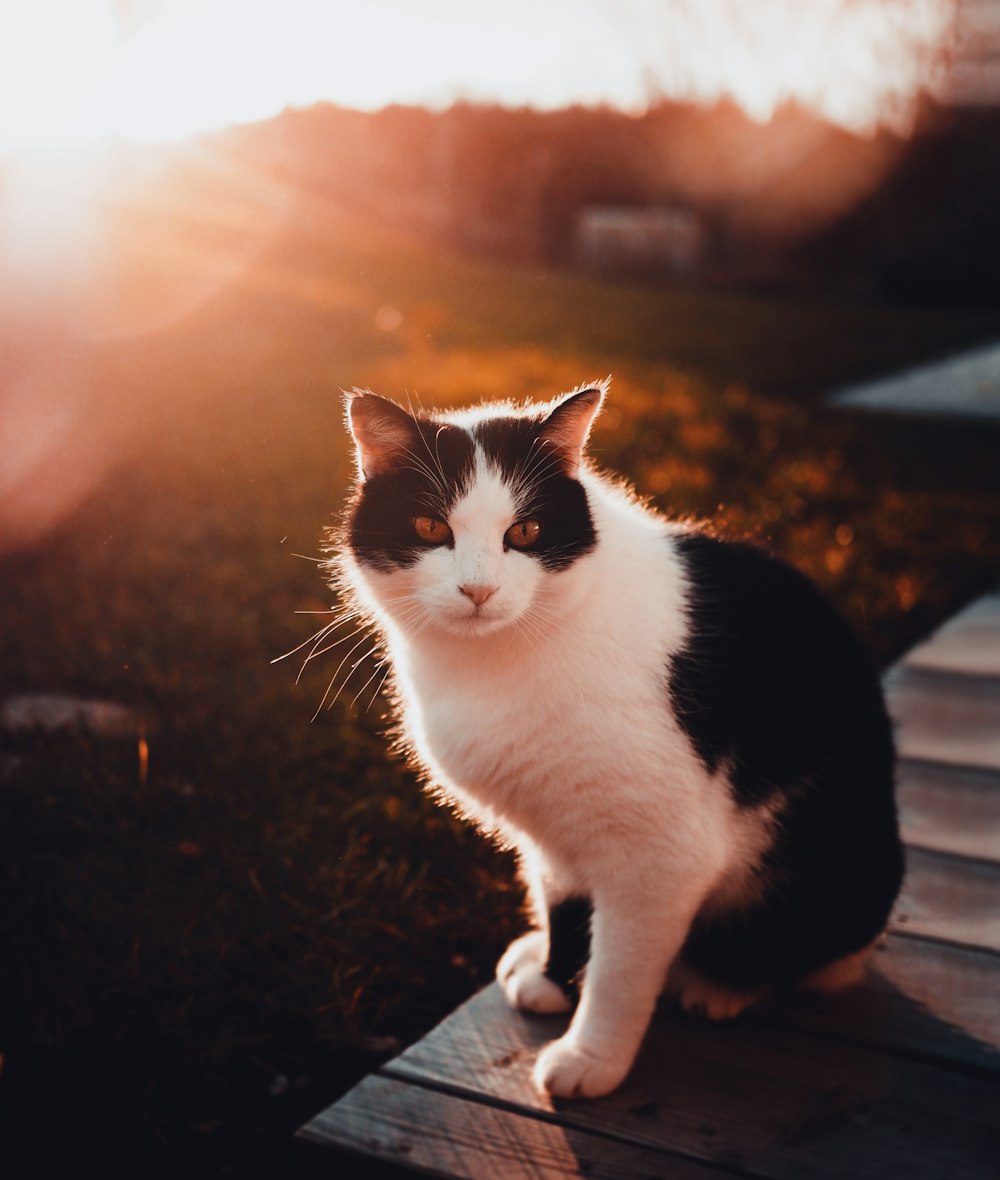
431 530
523 534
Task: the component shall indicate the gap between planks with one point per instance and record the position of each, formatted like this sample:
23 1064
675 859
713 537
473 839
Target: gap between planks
433 1129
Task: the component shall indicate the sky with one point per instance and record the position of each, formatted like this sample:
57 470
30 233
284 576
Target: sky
81 78
72 71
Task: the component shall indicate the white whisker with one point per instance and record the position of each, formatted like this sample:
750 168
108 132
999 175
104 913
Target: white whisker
317 635
333 679
315 654
388 668
357 695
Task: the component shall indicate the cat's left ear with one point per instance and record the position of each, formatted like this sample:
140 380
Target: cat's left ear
566 429
383 433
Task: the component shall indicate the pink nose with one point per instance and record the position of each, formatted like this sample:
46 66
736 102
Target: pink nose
478 592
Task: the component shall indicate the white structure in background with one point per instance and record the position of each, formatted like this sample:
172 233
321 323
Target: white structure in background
967 385
667 239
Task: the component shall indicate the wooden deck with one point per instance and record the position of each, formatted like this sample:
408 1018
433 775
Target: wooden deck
899 1077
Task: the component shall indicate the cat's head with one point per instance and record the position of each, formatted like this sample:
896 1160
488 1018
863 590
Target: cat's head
469 522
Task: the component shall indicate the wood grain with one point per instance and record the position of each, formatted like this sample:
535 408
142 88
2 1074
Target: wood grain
919 998
779 1102
447 1135
950 898
967 644
947 719
950 809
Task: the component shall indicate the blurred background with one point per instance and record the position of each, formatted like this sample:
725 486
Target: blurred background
218 912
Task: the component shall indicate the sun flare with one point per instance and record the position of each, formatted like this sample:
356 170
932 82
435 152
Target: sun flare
72 71
84 84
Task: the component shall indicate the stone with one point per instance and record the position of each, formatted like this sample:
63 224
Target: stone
54 713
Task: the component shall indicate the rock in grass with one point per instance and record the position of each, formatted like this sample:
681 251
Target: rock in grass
53 713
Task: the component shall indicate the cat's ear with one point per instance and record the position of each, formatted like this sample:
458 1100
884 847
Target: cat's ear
383 433
566 429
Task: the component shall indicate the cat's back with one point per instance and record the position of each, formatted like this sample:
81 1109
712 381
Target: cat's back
770 678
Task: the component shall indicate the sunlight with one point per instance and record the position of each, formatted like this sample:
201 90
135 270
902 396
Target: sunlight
57 63
857 65
49 231
82 80
74 70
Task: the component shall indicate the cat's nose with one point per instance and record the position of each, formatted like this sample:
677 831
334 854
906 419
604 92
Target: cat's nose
478 592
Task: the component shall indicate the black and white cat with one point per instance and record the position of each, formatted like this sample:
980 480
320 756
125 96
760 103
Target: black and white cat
686 746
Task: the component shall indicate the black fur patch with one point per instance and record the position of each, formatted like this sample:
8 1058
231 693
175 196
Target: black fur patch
556 500
831 880
379 524
569 941
774 687
772 681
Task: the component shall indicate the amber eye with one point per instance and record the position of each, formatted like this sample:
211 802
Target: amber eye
431 530
524 534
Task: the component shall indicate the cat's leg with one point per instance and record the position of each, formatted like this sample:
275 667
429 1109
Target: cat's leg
537 971
522 978
633 944
569 942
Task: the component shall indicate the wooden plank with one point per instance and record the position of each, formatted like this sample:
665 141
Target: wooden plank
919 998
947 719
968 644
776 1102
447 1135
950 809
950 898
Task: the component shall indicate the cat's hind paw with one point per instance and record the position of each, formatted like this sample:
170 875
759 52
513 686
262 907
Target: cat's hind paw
841 973
702 997
567 1070
522 978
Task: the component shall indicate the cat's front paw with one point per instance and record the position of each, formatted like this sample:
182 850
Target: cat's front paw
567 1070
522 978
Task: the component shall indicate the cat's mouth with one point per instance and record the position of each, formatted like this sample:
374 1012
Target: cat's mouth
478 620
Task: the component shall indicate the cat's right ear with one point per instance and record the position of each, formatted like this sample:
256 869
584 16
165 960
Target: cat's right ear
383 433
566 429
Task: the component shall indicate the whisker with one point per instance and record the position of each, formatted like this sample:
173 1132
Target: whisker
526 480
333 679
435 456
378 668
325 630
433 472
388 668
314 654
361 659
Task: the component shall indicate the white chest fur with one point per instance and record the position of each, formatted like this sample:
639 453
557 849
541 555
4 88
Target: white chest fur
563 734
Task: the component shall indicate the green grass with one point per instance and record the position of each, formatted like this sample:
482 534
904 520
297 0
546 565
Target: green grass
199 958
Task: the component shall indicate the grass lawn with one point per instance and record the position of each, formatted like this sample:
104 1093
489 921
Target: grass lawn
201 952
